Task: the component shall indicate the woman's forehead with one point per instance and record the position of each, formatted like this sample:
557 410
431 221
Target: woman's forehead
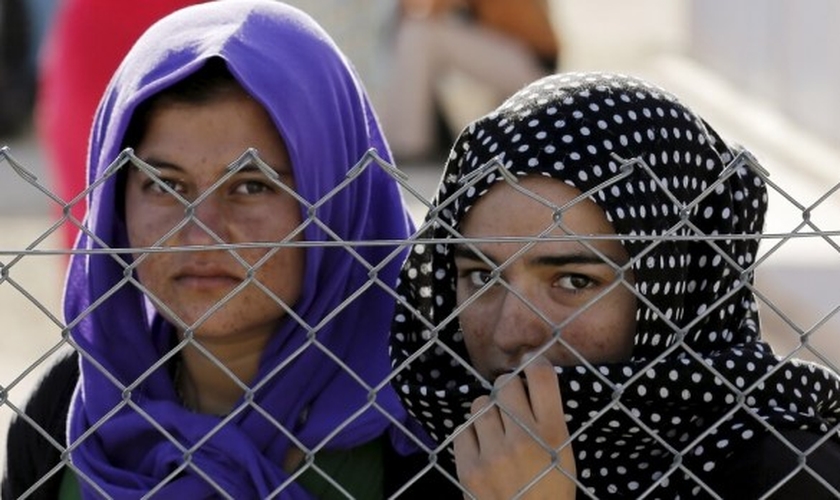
531 206
209 137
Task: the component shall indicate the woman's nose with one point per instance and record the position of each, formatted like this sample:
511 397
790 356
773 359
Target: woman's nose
521 325
205 222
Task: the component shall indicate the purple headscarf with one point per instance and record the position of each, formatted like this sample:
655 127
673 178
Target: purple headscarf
126 417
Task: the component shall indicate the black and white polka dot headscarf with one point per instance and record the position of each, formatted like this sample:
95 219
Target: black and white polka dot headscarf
656 169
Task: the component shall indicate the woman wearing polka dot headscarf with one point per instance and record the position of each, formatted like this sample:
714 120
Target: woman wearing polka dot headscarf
609 343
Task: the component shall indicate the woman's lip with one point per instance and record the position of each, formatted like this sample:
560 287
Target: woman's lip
217 284
207 279
205 271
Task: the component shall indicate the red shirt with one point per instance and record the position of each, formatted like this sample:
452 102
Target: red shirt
86 43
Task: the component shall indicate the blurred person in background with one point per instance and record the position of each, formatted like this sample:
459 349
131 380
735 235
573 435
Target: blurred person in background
358 27
83 45
497 46
17 72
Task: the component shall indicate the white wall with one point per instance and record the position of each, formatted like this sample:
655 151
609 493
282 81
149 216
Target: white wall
783 51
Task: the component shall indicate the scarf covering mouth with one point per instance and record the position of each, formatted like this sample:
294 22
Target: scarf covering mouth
655 168
128 432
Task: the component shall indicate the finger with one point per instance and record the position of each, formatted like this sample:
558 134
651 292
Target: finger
469 463
544 391
547 404
514 407
465 445
488 424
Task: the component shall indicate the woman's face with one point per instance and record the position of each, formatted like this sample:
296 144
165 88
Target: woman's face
554 288
192 145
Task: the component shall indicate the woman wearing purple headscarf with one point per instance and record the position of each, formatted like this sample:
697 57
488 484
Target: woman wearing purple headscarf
234 344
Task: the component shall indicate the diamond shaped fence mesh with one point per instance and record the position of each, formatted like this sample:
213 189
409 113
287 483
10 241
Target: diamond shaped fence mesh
624 420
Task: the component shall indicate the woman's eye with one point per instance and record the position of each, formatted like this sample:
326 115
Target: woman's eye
252 187
160 186
575 282
479 278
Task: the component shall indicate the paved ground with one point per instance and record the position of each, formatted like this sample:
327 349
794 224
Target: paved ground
798 280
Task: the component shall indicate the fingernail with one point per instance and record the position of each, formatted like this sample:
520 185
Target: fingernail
501 379
533 357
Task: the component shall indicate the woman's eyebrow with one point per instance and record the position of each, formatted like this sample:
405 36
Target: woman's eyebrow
161 164
552 260
252 168
568 259
249 168
461 251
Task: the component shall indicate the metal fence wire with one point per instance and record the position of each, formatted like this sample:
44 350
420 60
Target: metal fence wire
39 321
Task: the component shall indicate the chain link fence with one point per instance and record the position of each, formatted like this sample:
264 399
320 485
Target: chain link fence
37 332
